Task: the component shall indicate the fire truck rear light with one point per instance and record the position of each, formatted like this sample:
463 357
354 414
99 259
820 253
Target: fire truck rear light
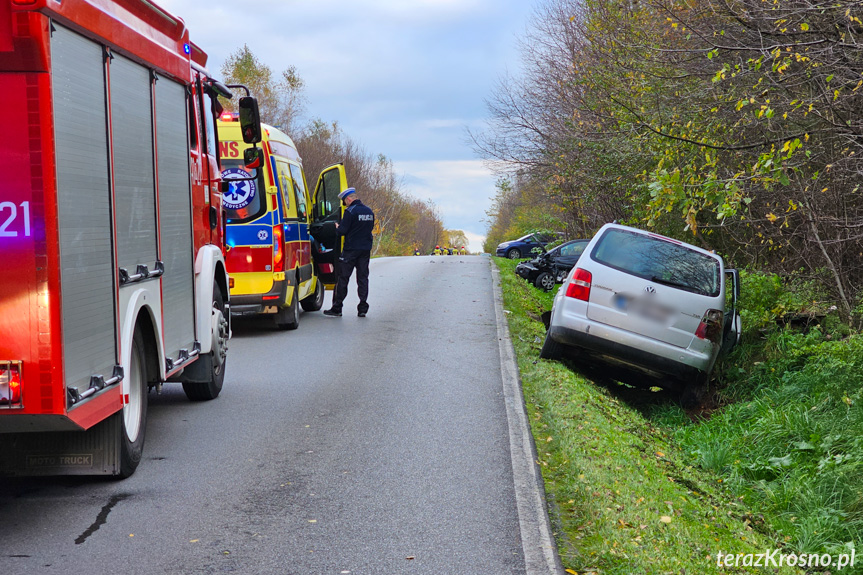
10 382
579 287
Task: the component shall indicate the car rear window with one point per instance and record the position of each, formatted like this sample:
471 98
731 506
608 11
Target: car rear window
658 260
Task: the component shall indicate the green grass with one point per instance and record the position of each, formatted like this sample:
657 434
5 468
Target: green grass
626 493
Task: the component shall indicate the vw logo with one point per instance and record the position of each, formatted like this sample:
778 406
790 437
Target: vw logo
650 290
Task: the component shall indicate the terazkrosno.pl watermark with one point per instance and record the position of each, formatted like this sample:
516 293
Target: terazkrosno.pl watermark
773 558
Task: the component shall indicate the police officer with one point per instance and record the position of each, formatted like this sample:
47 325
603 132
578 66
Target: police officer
356 225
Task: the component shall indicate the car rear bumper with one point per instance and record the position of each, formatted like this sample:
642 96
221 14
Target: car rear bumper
632 351
250 304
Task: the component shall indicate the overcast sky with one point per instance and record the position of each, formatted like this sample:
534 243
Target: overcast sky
404 78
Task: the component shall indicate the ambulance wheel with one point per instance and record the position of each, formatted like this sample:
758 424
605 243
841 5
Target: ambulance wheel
513 253
133 417
315 301
202 381
544 281
289 317
550 348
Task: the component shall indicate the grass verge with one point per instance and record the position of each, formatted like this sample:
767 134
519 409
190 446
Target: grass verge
624 497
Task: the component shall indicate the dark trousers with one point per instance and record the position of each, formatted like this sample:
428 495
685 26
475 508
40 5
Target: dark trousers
349 260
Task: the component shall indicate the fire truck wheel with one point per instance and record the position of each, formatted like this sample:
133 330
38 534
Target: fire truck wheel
211 365
134 413
289 317
315 301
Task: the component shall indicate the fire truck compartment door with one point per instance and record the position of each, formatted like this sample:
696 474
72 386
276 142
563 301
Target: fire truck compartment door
175 217
87 272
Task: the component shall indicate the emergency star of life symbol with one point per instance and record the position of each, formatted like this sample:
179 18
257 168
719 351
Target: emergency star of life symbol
239 194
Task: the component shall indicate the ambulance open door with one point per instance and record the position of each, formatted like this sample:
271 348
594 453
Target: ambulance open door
326 213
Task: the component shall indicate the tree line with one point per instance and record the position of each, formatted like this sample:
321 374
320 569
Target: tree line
403 223
734 125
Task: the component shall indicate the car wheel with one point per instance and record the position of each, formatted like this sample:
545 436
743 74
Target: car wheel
513 253
289 317
544 281
315 301
550 348
695 392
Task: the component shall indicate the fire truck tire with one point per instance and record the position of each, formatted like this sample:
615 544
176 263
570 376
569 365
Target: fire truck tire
315 301
289 317
133 417
212 365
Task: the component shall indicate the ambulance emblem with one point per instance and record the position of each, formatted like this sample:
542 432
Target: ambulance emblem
239 194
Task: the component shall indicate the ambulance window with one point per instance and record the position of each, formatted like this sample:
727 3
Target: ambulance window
299 190
246 200
284 188
193 124
328 198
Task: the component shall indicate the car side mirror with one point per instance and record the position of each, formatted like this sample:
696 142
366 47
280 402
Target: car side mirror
250 120
253 158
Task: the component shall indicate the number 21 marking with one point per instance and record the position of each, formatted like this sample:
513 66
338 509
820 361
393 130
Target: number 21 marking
13 215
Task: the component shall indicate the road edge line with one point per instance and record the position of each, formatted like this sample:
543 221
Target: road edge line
538 545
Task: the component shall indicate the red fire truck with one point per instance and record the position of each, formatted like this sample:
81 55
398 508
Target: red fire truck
113 278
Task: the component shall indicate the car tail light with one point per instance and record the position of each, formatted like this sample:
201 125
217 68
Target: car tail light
10 383
710 327
278 249
579 287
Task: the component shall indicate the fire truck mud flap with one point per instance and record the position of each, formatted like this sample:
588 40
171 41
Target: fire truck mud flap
92 452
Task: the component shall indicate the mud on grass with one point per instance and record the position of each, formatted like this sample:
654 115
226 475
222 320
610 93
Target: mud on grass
621 496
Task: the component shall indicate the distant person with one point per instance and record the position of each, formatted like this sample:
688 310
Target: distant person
463 251
356 226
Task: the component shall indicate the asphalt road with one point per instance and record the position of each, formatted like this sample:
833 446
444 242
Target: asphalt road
375 445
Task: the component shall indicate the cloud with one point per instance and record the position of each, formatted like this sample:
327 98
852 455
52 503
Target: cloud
402 79
461 189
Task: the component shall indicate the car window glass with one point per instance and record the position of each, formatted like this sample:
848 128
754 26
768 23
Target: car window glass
285 187
210 124
193 123
299 190
572 249
658 260
244 201
328 196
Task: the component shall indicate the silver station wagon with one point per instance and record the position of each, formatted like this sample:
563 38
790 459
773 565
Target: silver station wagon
647 306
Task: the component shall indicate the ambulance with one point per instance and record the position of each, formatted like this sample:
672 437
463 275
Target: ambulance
281 241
